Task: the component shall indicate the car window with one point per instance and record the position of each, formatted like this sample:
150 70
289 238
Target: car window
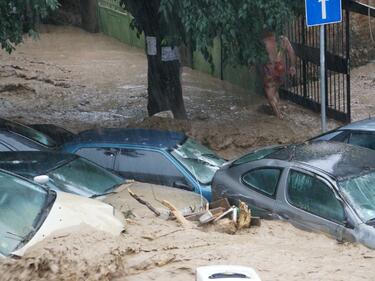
84 178
263 180
28 132
147 166
363 139
104 157
314 196
329 136
201 162
4 148
257 155
21 203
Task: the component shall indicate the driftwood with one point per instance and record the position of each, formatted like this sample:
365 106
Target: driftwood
244 218
144 202
179 217
124 186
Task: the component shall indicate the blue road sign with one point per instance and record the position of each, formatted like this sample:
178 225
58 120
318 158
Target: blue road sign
320 12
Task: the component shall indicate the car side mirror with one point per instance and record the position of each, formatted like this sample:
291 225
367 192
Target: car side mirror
42 179
182 185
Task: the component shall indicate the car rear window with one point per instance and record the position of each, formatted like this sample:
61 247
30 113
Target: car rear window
257 155
29 133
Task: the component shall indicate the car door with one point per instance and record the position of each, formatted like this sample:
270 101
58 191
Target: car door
103 156
149 166
309 202
255 183
261 186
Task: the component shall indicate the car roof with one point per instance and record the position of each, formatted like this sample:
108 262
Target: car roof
144 137
33 163
362 125
339 160
27 132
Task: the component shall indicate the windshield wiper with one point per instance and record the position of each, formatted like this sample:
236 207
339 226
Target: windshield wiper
371 221
16 236
102 194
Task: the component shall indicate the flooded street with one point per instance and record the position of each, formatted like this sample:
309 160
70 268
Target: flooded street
79 80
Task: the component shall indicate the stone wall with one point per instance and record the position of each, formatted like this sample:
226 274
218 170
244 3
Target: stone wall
362 47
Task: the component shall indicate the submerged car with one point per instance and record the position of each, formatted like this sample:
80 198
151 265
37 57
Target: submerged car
73 174
151 156
61 172
321 186
361 133
29 213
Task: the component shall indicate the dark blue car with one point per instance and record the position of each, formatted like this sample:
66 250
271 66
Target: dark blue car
159 157
152 156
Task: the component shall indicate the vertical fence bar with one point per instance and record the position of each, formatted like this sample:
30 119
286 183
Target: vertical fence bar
348 93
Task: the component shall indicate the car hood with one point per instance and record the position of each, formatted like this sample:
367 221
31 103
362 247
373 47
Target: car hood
69 211
186 202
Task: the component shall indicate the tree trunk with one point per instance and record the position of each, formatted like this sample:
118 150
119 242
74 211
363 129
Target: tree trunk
171 81
164 85
89 14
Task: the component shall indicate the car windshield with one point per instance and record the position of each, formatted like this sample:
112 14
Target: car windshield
201 162
21 206
29 133
82 177
360 192
257 155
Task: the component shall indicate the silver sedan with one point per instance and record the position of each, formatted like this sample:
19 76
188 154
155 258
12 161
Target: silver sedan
321 186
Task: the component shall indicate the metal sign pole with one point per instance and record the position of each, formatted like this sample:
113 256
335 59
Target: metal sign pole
323 79
322 12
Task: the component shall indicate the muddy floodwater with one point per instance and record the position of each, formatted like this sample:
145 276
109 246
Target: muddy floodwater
79 80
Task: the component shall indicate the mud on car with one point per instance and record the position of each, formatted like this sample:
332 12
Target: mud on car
322 186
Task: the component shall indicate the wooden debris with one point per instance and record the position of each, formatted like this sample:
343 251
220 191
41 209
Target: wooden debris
206 217
215 212
244 218
222 203
227 212
124 186
180 218
144 202
255 221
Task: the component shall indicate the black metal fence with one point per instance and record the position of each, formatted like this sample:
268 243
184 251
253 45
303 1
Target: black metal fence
304 88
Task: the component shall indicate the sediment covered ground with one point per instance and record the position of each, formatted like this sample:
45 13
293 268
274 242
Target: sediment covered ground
79 81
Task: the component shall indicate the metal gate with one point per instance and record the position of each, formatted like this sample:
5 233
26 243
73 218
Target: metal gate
304 88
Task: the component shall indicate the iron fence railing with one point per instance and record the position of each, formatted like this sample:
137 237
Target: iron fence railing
304 88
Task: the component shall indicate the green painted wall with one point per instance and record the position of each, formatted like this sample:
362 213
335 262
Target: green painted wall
200 63
115 22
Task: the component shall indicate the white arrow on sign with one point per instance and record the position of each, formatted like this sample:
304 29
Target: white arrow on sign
324 8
